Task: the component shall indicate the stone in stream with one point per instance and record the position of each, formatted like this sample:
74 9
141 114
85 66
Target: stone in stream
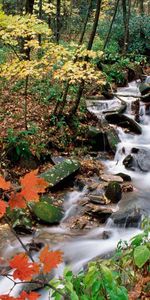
138 159
109 177
47 213
113 191
64 170
128 218
124 176
145 90
124 121
97 138
111 134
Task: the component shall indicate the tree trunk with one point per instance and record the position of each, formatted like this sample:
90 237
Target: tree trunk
58 21
89 47
126 18
62 105
111 25
40 17
49 17
141 6
29 6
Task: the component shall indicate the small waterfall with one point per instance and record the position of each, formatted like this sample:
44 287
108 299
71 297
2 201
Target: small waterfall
102 241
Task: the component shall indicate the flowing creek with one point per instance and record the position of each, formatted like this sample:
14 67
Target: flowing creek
81 248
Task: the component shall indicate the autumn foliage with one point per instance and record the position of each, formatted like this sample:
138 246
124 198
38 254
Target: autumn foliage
23 268
31 186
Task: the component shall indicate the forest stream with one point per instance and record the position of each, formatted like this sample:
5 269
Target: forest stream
80 249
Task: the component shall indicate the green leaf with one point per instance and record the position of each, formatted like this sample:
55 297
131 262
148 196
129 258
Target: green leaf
141 255
74 296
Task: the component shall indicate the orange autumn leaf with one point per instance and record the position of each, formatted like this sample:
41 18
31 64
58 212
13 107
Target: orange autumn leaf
30 296
24 270
50 259
32 185
3 206
6 297
17 201
4 185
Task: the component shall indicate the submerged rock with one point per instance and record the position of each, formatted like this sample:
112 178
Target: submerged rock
138 159
124 121
60 172
113 192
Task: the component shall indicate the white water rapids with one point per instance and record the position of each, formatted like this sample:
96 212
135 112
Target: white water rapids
78 250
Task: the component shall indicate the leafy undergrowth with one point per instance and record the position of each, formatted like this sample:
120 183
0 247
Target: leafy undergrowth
126 276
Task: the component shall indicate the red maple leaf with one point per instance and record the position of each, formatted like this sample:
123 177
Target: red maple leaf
24 270
6 297
4 185
30 296
17 201
32 185
50 259
3 206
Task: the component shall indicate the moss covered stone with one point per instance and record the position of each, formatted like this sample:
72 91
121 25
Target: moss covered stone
113 191
47 212
60 172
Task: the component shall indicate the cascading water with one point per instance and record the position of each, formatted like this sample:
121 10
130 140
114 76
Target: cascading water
78 250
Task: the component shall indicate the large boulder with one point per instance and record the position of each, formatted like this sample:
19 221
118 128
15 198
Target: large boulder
60 172
138 159
124 121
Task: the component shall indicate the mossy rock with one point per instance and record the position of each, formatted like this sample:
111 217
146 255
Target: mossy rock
47 212
113 191
60 172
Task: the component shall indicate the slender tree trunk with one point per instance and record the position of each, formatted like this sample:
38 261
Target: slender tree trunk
141 6
89 47
58 21
80 43
26 102
49 17
40 17
126 18
111 25
29 6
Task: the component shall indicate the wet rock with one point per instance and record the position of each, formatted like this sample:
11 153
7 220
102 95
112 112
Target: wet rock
129 162
128 218
64 170
124 121
113 192
98 199
110 177
93 186
97 139
47 213
124 176
145 90
112 136
126 187
102 212
138 159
